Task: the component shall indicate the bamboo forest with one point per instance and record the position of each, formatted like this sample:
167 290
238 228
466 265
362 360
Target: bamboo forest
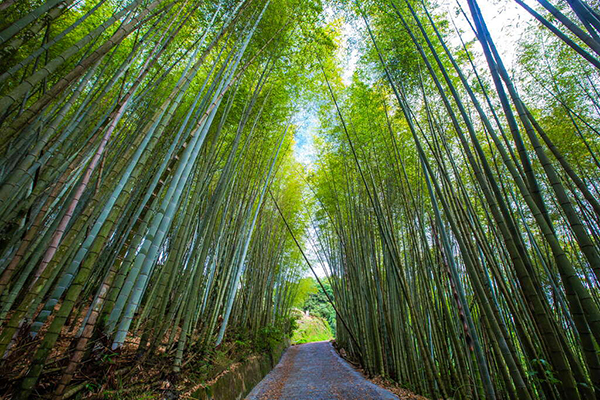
173 171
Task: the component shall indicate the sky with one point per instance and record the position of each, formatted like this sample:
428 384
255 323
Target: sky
307 124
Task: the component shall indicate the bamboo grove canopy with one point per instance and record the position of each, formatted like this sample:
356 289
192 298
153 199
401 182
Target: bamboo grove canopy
151 202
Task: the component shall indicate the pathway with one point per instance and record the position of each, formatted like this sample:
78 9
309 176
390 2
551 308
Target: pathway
314 371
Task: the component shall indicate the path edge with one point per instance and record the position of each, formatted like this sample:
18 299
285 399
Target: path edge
237 383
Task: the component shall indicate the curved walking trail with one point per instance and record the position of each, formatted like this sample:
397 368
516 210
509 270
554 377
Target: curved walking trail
314 371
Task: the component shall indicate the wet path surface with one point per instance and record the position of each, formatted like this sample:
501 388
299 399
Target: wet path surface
314 371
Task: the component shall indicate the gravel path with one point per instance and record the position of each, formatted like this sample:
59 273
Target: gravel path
314 371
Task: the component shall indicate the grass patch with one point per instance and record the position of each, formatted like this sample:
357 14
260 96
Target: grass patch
311 328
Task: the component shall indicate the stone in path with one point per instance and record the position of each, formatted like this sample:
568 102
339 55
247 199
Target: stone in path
314 371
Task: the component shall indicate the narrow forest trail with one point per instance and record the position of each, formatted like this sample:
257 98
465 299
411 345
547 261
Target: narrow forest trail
315 371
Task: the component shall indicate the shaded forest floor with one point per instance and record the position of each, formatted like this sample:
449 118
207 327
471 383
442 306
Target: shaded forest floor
129 374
